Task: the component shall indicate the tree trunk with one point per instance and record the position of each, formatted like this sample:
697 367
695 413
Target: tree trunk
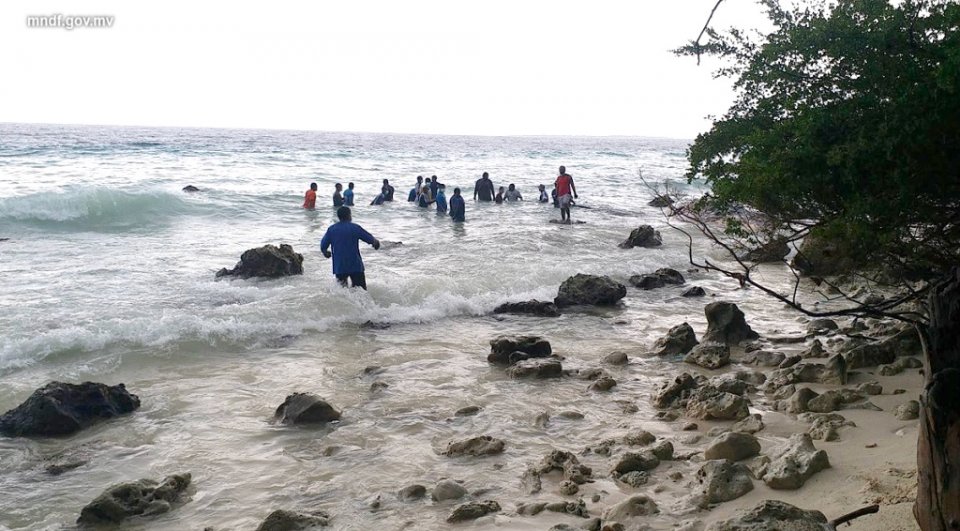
938 450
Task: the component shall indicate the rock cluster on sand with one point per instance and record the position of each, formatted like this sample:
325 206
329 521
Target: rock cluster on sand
139 498
709 355
630 508
723 480
473 510
283 520
772 514
733 446
658 279
61 408
590 290
306 408
642 236
268 261
531 307
794 462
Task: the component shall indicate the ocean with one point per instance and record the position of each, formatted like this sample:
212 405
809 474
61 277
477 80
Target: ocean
108 275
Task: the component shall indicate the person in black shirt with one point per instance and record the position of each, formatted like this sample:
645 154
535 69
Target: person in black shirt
484 188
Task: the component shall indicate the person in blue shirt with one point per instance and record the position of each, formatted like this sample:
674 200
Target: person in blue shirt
344 237
337 198
348 195
434 186
457 207
415 192
441 200
544 197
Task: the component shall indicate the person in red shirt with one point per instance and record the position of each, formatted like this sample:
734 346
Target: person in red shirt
565 187
310 199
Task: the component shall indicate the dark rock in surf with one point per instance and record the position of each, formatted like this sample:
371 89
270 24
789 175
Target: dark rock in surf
709 355
268 261
282 520
506 350
306 408
658 279
589 290
473 510
475 446
679 340
190 188
531 307
661 201
61 408
642 236
694 291
725 324
536 368
139 498
773 251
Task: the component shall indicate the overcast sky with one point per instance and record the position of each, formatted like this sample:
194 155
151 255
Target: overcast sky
519 67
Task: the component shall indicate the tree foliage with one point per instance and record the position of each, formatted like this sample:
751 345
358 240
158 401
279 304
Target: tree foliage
846 123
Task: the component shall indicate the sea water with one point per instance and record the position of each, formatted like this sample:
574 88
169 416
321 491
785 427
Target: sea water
108 275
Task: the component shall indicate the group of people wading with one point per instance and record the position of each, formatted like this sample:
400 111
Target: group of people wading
342 239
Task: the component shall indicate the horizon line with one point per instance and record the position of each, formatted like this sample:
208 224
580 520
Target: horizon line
293 130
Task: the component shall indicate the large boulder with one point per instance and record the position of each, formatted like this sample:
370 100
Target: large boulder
834 372
268 261
536 368
733 446
475 446
447 489
61 408
531 307
870 355
642 236
725 324
139 498
822 256
709 355
306 408
723 481
794 462
658 279
679 340
772 515
506 350
591 290
283 520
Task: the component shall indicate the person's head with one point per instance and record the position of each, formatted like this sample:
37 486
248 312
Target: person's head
456 191
486 175
339 187
313 186
563 169
350 186
501 189
441 188
425 189
419 178
542 187
386 182
433 179
343 214
512 187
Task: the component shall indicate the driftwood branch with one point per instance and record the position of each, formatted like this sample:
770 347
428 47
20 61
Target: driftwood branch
870 509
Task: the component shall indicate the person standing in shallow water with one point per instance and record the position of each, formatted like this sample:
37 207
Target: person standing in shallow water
345 237
337 198
387 190
565 187
483 189
310 198
513 194
415 192
441 199
544 197
458 209
348 195
499 199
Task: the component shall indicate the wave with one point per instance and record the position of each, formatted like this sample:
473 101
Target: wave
94 207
